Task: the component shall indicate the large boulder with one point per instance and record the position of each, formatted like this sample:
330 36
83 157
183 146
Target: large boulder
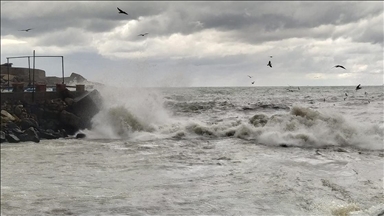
2 137
49 134
57 104
80 136
87 106
30 134
70 119
10 126
69 101
27 123
11 138
53 124
17 131
51 114
6 116
19 110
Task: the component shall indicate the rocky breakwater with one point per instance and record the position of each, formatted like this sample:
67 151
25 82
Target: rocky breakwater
61 117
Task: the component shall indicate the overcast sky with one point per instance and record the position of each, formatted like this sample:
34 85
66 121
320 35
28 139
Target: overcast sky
200 43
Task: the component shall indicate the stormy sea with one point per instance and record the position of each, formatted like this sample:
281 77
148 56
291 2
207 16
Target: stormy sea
209 151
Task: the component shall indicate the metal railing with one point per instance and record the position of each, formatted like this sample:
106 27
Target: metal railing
29 69
29 66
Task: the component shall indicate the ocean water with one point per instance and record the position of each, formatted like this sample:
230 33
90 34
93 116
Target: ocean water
209 151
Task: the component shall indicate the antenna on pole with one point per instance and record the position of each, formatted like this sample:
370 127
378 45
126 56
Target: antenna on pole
8 70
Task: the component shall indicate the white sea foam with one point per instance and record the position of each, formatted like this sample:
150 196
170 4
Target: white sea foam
128 113
204 154
126 110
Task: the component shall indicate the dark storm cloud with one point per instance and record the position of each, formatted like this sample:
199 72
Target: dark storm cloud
222 39
253 22
55 16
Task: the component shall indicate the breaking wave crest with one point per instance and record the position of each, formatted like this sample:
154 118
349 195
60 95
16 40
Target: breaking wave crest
142 114
127 112
301 127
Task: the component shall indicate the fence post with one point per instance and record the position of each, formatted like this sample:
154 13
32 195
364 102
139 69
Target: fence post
8 70
33 89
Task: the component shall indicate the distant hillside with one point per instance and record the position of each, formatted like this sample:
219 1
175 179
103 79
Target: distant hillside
71 80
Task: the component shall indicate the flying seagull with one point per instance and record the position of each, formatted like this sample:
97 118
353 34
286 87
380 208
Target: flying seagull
358 87
26 30
121 11
142 34
340 66
249 76
269 64
346 94
253 82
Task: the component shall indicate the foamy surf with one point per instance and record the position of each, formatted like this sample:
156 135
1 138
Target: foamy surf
206 154
143 111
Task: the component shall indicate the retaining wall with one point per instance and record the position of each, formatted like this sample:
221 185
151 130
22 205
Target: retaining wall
38 96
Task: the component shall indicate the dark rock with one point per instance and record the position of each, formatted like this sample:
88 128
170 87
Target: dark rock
87 106
19 110
70 119
50 131
30 135
50 119
27 123
284 145
51 114
11 138
63 133
2 137
49 134
80 136
52 124
69 101
11 126
56 104
35 113
6 116
17 131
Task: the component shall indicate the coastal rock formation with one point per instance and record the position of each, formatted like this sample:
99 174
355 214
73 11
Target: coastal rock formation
49 119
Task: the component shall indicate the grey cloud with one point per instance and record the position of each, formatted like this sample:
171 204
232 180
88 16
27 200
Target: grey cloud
61 39
252 23
248 18
54 16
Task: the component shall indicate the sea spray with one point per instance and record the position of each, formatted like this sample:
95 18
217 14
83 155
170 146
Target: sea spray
127 110
301 127
131 112
310 128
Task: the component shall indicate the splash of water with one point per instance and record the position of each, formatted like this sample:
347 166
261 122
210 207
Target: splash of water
129 113
128 110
